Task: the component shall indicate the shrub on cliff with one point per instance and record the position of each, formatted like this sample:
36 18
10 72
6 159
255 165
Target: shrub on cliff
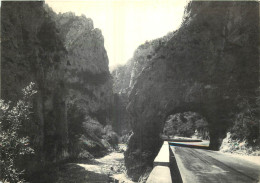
237 146
246 124
243 136
12 144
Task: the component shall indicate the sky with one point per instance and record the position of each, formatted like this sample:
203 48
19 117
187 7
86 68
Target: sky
126 24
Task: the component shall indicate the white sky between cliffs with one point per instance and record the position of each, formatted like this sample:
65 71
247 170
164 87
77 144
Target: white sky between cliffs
126 24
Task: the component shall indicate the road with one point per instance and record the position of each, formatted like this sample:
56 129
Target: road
205 166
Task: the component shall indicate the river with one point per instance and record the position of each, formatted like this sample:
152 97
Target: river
109 168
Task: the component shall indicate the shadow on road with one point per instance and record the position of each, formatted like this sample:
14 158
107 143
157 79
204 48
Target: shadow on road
175 173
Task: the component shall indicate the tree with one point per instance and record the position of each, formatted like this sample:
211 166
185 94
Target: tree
12 144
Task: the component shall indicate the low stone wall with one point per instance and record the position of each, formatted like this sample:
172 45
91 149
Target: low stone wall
161 171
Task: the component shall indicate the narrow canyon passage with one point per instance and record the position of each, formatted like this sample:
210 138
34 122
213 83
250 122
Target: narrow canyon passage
68 116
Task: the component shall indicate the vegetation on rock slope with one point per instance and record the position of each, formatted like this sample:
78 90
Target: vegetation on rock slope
14 142
70 74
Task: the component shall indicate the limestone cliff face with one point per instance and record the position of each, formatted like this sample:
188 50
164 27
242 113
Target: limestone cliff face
88 82
121 78
88 78
208 64
125 76
65 56
32 51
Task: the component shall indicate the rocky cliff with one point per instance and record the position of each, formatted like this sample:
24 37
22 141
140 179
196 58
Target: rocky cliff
65 56
88 76
88 79
125 76
207 67
32 51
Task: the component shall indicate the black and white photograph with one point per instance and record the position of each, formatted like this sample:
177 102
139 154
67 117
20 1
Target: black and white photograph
129 91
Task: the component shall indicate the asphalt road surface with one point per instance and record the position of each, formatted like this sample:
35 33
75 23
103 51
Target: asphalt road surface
205 166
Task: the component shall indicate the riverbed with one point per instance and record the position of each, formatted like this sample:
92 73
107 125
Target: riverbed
109 168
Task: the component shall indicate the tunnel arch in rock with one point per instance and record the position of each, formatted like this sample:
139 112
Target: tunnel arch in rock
210 62
152 101
217 126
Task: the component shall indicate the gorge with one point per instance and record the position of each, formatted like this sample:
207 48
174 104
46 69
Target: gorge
209 68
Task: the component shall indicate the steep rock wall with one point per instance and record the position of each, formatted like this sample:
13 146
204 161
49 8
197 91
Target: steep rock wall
206 67
65 56
88 78
88 82
32 50
125 76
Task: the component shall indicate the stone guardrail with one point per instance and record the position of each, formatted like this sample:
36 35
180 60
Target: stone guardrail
161 172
